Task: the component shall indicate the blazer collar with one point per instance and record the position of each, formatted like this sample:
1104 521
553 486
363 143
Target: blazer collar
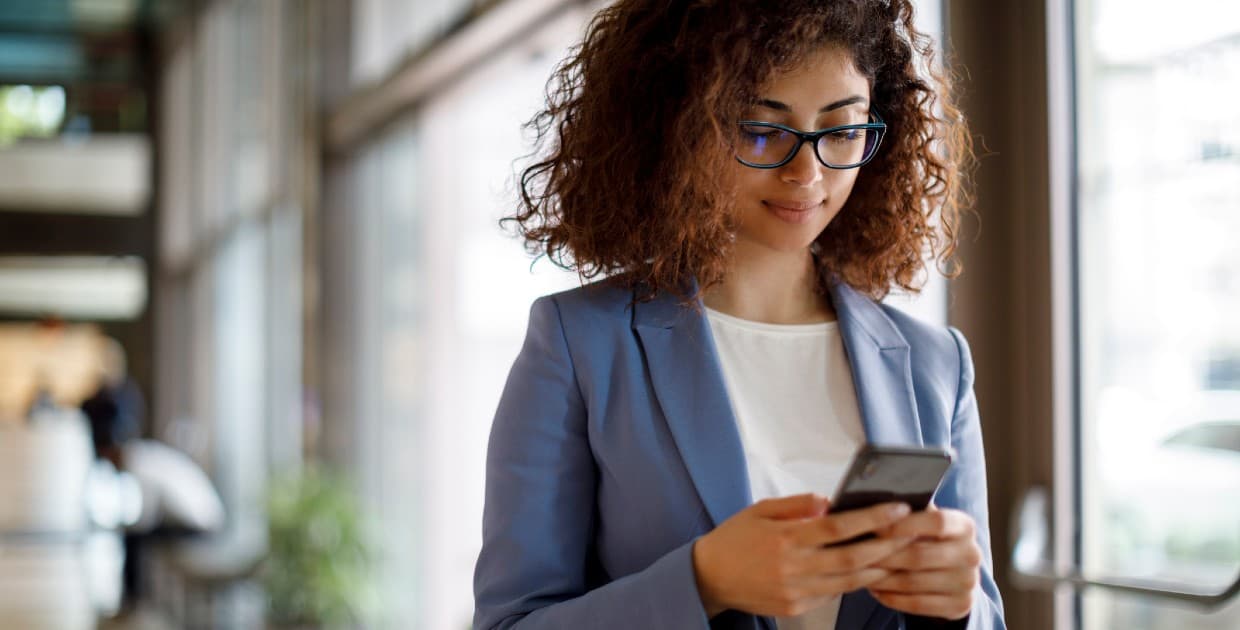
852 308
878 354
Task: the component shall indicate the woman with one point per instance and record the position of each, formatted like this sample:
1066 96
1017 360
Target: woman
749 176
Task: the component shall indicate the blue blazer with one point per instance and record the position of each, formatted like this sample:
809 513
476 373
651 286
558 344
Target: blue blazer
614 448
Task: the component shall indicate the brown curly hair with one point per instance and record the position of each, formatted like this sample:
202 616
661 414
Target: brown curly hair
639 118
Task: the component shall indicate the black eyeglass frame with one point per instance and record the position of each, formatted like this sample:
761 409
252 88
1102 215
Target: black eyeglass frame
813 137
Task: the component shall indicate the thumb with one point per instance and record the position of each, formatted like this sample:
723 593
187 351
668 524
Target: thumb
795 506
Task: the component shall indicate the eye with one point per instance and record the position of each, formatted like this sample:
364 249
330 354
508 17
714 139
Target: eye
844 136
756 132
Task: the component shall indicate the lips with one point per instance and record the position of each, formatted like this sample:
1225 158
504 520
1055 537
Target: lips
792 211
795 206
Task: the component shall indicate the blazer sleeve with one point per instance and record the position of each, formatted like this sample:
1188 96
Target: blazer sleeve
965 489
539 519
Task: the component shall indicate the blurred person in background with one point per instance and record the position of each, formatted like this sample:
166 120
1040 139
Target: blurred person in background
116 413
750 178
116 409
179 501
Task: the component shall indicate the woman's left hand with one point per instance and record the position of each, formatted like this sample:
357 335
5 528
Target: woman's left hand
936 575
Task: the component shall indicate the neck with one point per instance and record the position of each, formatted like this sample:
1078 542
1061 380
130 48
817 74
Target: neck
770 286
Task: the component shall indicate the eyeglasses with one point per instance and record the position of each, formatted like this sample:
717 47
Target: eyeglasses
771 145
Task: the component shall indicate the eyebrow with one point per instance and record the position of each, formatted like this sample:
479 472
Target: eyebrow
778 106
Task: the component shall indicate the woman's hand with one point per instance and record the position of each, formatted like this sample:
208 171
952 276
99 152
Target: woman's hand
936 575
768 559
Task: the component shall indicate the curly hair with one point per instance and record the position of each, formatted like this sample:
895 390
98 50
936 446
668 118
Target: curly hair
640 116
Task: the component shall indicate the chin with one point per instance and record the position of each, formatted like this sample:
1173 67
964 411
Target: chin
782 237
783 240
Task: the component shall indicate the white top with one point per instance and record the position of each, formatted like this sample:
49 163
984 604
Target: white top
792 393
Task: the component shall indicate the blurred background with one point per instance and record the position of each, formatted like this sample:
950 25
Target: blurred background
256 311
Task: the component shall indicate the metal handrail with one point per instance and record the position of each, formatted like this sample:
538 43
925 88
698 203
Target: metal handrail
1032 569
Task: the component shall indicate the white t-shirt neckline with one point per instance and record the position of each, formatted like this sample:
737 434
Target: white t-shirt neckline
764 327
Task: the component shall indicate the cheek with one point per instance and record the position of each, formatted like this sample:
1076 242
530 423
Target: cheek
841 185
748 182
839 189
751 188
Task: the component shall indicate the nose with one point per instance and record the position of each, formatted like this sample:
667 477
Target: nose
803 169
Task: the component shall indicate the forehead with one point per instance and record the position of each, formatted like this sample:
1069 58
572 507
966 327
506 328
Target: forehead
826 75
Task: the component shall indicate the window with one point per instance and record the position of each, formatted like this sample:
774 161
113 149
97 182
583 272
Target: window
1158 176
425 310
387 31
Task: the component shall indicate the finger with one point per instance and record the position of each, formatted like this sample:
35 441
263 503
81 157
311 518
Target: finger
834 528
933 605
941 582
835 584
931 554
812 592
886 531
940 524
795 506
851 557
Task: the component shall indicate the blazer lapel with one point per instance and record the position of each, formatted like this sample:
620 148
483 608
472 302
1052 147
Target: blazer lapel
688 383
882 376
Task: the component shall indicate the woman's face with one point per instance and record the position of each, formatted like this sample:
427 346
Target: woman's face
784 209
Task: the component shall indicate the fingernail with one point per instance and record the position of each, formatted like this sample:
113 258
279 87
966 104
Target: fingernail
818 502
899 510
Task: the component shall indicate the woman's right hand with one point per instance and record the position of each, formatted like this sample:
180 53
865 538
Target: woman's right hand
769 559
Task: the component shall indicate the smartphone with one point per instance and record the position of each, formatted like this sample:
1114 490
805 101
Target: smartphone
881 474
878 474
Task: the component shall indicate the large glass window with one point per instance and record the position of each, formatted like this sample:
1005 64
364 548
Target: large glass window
1158 213
425 309
386 31
230 265
484 279
240 335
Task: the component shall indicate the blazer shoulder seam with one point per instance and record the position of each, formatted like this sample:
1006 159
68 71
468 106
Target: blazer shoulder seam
568 348
960 372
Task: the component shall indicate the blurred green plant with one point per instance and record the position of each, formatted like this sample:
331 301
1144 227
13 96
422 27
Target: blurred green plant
30 112
318 570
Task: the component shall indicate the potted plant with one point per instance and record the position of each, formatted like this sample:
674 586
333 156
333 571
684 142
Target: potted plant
318 570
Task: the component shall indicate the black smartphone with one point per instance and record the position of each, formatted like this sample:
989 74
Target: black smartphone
878 474
881 474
